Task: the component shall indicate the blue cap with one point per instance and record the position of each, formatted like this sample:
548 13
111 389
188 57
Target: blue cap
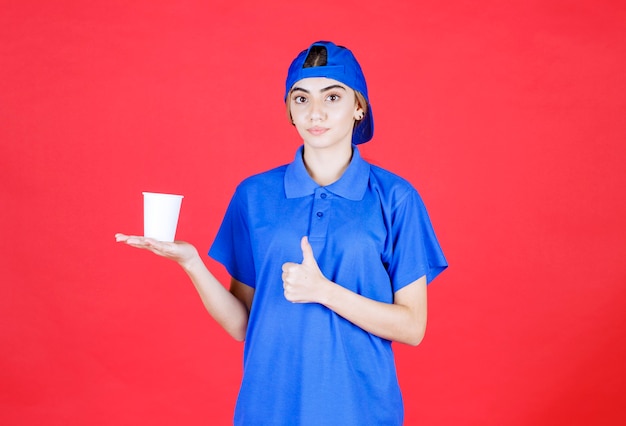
341 65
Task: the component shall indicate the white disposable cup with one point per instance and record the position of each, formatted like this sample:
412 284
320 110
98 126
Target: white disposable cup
160 215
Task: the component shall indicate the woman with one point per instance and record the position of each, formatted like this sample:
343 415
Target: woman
329 257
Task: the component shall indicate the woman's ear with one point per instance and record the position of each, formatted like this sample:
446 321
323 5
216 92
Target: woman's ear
359 111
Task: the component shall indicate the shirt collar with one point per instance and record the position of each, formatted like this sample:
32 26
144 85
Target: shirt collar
351 185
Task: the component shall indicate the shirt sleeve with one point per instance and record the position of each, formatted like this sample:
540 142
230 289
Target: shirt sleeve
232 247
416 251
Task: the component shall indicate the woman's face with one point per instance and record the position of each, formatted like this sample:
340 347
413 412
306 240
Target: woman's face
324 111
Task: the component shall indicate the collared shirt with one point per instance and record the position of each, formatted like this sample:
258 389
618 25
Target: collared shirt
370 232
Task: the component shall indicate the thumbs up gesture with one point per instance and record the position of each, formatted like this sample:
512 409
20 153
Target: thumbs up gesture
304 282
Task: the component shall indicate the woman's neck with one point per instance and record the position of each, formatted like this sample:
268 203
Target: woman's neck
326 166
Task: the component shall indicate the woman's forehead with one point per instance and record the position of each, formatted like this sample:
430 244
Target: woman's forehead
318 83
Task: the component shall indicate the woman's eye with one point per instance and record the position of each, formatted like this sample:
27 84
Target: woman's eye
299 99
333 98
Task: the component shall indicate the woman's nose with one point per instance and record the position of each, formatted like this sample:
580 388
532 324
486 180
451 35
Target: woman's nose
317 111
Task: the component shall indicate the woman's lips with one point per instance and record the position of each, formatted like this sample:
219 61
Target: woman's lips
317 130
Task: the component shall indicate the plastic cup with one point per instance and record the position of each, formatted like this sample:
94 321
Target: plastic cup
160 215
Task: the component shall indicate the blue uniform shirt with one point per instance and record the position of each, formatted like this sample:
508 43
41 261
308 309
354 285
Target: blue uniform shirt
370 232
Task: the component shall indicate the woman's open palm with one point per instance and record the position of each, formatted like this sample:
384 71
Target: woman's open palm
178 251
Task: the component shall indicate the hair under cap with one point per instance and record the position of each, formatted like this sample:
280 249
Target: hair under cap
341 65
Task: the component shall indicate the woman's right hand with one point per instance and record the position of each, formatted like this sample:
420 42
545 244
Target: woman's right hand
178 251
230 308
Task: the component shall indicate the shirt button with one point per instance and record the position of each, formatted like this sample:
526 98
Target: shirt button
323 195
320 214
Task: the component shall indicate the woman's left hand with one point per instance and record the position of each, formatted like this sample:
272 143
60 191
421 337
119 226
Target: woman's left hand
304 282
404 320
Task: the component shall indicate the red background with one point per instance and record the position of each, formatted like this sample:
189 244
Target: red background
509 118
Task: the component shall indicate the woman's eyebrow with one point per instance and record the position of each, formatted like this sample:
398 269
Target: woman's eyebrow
325 89
299 89
334 86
